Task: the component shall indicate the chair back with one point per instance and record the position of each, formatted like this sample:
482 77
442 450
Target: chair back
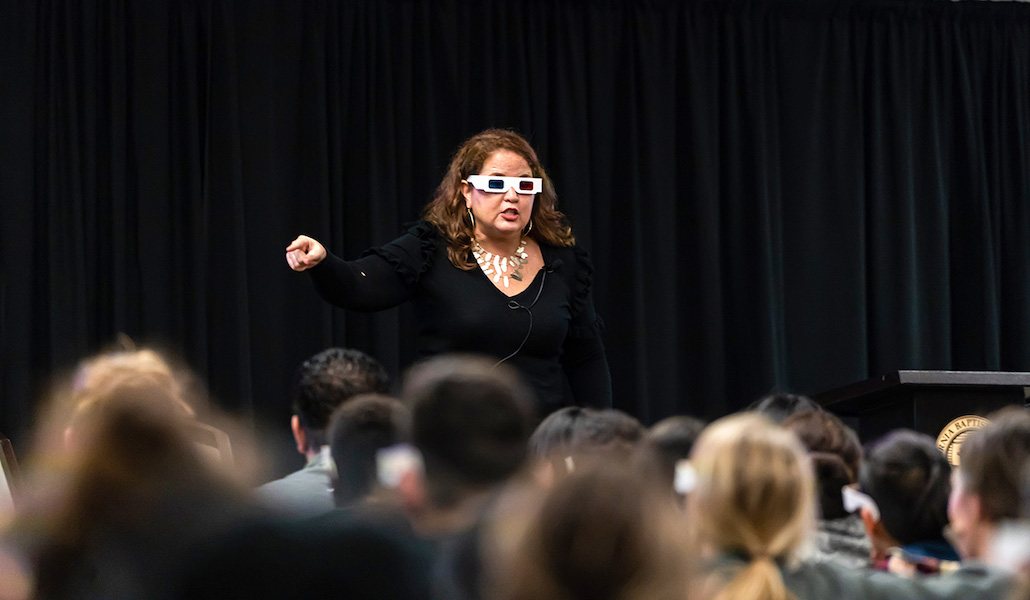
8 475
212 441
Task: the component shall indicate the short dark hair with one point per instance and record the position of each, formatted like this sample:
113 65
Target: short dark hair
608 428
471 421
908 477
993 461
583 432
573 428
836 455
329 378
554 433
358 429
781 405
666 443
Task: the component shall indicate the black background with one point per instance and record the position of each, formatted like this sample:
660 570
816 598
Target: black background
778 195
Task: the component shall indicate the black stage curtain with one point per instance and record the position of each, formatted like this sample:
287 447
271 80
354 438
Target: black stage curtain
781 194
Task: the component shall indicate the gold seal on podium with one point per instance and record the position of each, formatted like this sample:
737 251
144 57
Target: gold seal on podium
950 440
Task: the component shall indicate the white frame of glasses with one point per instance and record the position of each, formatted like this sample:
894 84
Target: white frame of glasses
482 183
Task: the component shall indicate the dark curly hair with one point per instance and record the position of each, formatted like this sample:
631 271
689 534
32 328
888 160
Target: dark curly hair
447 210
329 378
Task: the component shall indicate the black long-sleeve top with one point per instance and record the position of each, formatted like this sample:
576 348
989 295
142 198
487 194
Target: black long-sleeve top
462 311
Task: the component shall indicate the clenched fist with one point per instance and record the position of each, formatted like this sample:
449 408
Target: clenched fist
304 253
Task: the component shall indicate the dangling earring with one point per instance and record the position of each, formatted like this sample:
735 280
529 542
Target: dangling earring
473 219
526 232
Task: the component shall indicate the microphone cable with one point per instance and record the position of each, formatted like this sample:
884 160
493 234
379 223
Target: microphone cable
515 305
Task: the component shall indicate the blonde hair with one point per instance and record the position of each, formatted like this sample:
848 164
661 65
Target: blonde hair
754 497
126 453
447 210
99 379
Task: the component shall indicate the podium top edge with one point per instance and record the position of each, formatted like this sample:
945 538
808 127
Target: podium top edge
963 377
914 378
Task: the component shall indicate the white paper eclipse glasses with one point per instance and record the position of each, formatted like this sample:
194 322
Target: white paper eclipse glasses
496 184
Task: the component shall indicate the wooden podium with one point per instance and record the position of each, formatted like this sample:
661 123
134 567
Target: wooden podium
926 401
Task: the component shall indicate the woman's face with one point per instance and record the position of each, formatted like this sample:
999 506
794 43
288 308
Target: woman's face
500 215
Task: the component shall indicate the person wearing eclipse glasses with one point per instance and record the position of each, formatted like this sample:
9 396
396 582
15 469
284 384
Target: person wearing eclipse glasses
492 268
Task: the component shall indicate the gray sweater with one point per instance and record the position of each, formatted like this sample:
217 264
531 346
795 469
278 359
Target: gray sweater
829 580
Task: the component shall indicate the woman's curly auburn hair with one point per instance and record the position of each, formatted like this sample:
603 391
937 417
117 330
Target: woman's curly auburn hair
447 210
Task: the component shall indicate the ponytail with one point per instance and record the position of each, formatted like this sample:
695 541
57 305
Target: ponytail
760 579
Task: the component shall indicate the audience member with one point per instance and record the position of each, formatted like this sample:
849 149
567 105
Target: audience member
358 431
753 504
120 501
317 558
1010 548
907 477
605 532
836 456
752 511
362 550
609 429
781 405
985 487
551 441
666 444
324 381
571 433
119 496
471 423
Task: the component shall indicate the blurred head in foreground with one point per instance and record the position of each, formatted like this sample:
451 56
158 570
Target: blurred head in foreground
471 422
359 431
603 532
119 487
753 499
985 487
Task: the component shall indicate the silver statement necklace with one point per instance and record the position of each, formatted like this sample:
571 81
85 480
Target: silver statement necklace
499 267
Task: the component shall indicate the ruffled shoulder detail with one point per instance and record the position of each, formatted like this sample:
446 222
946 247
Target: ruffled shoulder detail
584 280
412 254
585 322
425 231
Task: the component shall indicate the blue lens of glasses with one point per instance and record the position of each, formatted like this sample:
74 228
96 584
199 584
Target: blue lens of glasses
495 184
